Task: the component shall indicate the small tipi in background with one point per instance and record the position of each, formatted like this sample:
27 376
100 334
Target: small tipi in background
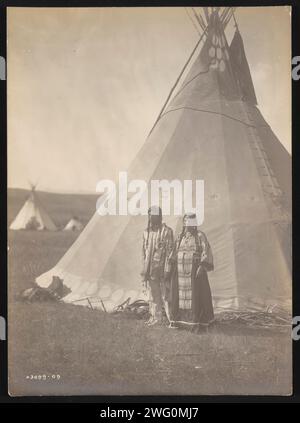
33 216
74 225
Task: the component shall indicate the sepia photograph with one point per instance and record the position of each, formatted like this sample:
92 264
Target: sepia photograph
149 201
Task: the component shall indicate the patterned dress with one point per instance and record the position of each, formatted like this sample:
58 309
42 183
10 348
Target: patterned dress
191 294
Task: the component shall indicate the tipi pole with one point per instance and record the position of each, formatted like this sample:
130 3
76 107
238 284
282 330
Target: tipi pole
201 23
235 22
225 14
228 17
193 23
177 80
200 19
206 12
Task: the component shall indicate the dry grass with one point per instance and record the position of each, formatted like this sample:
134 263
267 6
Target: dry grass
96 353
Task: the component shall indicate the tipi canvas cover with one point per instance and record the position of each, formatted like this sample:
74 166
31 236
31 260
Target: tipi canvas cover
73 225
33 216
211 130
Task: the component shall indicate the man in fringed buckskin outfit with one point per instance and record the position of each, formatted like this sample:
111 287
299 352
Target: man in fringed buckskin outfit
157 247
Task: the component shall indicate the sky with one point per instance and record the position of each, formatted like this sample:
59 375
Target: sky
86 85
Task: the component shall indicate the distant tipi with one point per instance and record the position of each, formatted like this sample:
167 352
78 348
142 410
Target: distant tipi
212 130
74 225
33 216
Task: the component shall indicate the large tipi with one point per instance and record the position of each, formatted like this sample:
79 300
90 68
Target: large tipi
33 216
210 129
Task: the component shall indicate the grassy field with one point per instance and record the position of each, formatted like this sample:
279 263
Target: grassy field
81 351
96 353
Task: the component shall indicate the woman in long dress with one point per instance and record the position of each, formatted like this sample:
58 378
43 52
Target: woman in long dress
190 291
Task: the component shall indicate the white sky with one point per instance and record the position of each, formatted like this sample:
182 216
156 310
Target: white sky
86 85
